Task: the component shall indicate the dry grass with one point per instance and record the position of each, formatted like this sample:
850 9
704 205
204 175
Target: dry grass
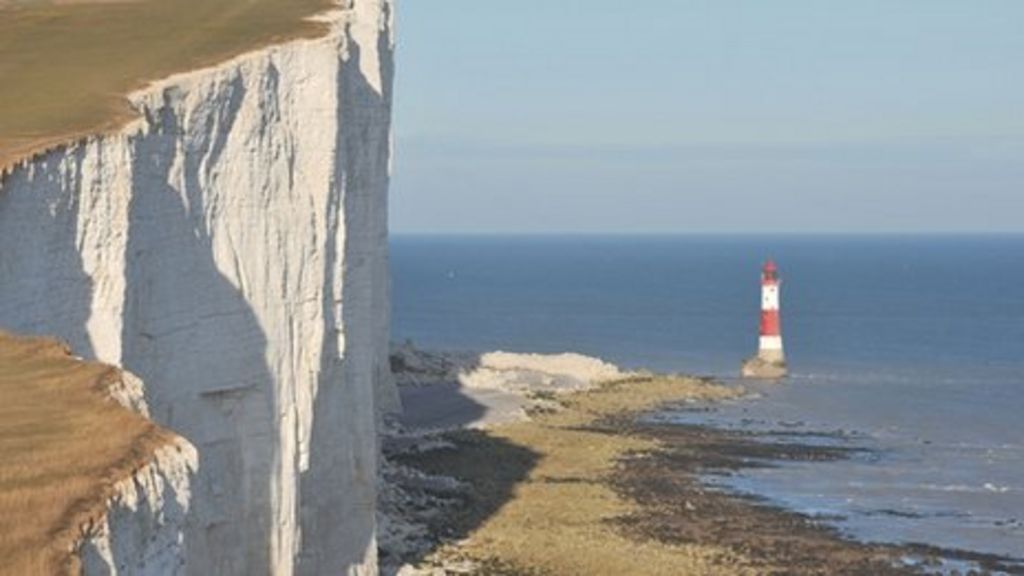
66 66
559 520
63 445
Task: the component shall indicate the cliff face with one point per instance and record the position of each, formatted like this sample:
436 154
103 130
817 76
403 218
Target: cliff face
229 247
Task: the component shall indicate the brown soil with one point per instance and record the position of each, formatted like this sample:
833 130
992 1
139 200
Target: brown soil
63 446
588 490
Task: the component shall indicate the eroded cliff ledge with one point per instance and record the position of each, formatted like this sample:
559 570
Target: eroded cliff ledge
85 476
230 248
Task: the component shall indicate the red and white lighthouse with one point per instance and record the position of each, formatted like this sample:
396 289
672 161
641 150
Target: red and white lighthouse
770 361
770 348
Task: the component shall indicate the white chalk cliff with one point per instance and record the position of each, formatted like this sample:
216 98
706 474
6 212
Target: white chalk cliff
230 248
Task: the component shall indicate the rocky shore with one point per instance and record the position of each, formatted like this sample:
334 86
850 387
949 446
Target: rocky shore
583 485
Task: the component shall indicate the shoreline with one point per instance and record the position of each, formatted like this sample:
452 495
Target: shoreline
591 488
665 480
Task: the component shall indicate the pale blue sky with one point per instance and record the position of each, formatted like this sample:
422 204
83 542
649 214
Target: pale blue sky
709 116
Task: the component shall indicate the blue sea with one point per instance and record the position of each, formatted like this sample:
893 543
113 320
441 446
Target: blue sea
909 347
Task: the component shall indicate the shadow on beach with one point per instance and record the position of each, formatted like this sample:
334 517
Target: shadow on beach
466 483
491 466
443 478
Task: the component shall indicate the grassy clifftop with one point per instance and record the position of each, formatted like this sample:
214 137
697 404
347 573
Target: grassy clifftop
63 446
65 66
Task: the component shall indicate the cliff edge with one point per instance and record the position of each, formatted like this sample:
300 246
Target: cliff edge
87 482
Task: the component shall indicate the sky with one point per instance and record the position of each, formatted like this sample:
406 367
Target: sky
709 116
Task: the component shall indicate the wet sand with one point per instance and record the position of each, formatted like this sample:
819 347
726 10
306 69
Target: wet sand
677 507
592 489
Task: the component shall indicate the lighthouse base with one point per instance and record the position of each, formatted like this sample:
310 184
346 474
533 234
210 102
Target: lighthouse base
764 369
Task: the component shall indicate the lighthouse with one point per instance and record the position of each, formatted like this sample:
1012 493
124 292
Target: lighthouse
770 361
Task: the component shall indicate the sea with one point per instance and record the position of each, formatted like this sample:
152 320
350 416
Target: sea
908 349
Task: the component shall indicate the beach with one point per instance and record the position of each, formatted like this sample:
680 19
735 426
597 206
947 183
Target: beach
584 483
